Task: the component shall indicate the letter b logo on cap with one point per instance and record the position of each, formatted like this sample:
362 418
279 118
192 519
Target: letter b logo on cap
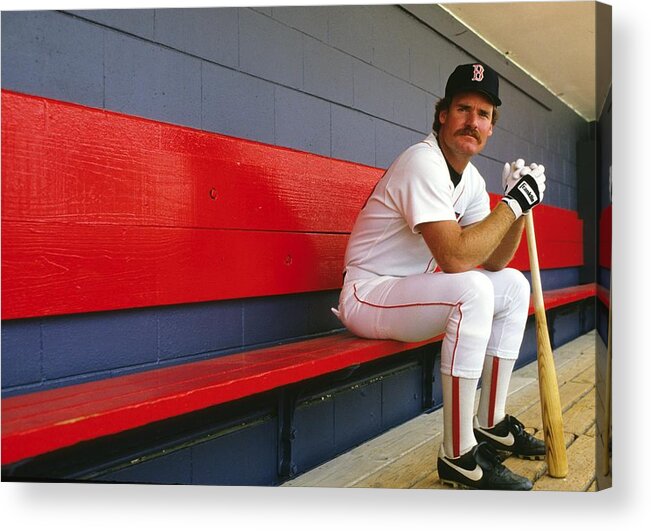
477 72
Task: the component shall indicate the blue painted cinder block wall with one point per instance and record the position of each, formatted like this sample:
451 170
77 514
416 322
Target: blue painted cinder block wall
352 82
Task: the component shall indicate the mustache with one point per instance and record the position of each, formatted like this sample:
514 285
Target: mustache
470 132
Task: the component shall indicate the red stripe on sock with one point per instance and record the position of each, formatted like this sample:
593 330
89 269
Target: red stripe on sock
456 425
493 393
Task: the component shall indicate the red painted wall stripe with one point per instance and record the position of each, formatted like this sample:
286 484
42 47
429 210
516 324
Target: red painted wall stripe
102 211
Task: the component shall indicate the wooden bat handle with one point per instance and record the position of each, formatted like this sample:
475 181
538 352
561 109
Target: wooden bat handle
550 401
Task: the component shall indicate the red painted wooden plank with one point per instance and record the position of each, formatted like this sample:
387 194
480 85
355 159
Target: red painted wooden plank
54 268
42 422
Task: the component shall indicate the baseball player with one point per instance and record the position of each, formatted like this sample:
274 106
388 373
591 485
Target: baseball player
428 256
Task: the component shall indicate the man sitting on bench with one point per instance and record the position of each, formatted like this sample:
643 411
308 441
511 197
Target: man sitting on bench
411 273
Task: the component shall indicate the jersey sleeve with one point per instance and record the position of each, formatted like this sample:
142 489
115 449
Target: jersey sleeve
421 191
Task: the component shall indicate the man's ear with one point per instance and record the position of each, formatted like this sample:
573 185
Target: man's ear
442 116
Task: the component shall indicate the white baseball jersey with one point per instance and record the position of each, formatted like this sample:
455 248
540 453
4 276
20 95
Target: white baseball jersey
415 189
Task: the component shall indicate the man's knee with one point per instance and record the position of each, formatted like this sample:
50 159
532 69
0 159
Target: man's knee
479 285
479 293
518 285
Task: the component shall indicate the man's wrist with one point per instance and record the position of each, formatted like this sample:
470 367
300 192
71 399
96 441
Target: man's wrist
513 205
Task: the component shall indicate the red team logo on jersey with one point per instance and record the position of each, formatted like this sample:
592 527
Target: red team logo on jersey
478 73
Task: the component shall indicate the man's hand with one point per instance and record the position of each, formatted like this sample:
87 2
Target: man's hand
527 191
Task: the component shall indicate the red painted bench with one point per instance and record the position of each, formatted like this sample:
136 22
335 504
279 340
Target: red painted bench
103 211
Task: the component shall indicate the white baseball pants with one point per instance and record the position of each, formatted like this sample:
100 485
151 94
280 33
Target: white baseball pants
480 312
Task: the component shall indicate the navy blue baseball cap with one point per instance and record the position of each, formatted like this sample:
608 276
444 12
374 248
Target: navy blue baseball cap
474 77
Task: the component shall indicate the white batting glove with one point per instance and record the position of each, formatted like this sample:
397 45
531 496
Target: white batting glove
527 191
511 174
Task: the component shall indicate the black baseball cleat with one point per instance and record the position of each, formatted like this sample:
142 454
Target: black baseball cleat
509 436
479 468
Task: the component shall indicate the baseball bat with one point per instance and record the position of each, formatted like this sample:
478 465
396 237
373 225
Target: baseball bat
550 401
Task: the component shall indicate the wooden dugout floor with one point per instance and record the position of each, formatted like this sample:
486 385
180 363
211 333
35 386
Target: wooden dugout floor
405 457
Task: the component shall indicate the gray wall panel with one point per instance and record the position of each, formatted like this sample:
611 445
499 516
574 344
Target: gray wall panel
270 50
540 125
211 34
328 72
492 172
302 121
312 20
390 141
353 135
411 106
237 104
53 55
374 90
425 50
350 29
391 40
138 22
152 81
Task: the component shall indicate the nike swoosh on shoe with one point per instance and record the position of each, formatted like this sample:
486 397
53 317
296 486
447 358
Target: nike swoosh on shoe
474 475
508 440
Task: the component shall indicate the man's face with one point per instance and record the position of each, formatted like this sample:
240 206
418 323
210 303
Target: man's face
466 125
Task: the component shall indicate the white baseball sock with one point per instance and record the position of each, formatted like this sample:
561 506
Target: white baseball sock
458 411
495 380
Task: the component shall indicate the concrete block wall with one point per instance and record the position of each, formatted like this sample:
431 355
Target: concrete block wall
351 82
